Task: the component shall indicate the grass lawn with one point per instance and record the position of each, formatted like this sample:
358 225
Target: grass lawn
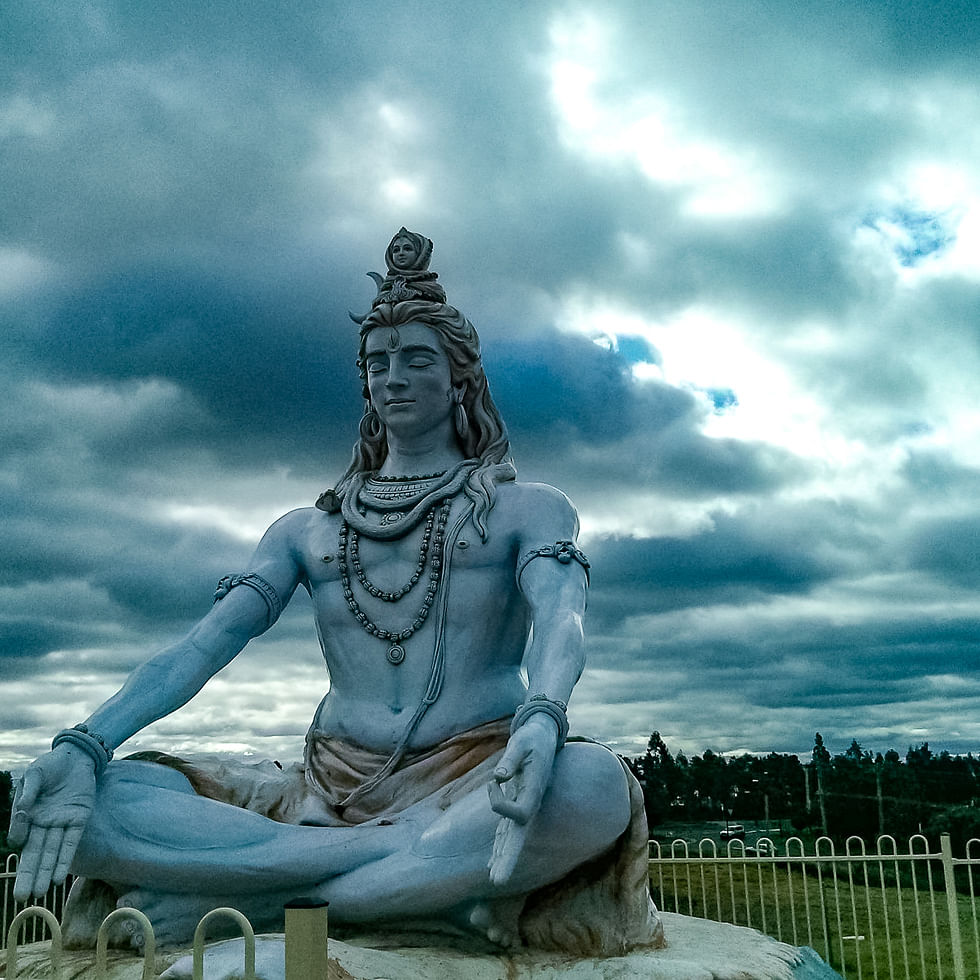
866 920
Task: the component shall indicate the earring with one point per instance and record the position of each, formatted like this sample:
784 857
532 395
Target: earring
371 426
461 421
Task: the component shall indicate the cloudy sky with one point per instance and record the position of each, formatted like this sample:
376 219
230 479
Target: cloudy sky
725 261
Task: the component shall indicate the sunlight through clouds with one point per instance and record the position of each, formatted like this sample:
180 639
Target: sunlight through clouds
715 180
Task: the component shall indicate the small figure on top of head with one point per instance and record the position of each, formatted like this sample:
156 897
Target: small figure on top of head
407 258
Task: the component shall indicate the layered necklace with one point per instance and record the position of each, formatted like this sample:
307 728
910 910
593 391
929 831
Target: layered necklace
403 503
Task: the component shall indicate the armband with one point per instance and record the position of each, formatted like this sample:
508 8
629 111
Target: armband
260 585
541 703
91 743
563 551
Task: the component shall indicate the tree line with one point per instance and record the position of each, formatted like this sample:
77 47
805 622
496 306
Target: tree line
855 793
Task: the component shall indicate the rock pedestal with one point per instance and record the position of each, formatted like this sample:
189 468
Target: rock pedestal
697 949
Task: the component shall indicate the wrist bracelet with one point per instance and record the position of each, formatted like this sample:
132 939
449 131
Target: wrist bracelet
91 743
542 703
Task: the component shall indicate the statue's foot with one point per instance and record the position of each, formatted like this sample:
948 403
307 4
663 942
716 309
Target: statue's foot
497 920
174 917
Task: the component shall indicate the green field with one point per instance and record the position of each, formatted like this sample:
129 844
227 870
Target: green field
876 924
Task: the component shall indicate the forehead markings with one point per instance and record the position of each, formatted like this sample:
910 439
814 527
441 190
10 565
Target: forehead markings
408 349
376 348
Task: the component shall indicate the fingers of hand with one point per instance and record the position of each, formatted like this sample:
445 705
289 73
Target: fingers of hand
69 844
514 759
32 878
507 846
514 809
24 800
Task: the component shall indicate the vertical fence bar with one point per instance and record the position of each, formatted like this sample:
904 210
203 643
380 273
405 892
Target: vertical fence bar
824 917
884 904
792 890
869 908
716 869
702 880
917 903
855 924
934 916
10 868
973 862
655 845
762 893
837 913
956 942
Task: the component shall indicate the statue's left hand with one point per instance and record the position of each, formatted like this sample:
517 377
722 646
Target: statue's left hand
50 810
524 769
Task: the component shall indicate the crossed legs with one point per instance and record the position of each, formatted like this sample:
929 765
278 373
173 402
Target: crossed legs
175 855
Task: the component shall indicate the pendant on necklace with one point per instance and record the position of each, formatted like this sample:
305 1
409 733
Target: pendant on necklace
396 654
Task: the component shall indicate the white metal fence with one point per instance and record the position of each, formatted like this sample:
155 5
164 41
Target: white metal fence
888 913
892 914
33 929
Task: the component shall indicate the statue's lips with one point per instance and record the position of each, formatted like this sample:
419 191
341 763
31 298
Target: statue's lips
395 402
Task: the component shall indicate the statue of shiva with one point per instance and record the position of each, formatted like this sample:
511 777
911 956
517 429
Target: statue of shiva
439 786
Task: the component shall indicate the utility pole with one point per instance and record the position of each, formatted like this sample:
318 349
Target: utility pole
821 799
881 800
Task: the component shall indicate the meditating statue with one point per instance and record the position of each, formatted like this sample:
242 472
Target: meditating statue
437 789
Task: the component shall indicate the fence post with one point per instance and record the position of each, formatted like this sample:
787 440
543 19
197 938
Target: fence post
306 940
946 848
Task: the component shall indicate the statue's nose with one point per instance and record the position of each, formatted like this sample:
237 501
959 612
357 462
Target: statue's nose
397 377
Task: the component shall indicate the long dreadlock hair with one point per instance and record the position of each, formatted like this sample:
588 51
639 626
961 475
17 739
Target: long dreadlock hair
486 437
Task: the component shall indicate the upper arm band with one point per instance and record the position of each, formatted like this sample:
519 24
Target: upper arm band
265 589
563 551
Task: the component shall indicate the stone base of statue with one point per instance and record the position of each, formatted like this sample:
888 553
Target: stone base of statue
697 949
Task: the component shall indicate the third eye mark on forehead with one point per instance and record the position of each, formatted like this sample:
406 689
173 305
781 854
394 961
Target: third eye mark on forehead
393 344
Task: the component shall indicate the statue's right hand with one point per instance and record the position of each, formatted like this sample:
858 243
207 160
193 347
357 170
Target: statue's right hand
50 810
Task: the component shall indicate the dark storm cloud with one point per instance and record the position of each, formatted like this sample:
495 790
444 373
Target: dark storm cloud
948 548
760 553
273 378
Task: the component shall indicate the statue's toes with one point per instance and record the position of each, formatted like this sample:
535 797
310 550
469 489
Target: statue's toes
169 920
498 921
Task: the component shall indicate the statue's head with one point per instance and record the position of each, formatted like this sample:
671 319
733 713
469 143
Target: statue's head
484 435
481 433
408 252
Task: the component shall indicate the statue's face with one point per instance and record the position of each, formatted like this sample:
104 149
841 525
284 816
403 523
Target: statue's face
403 253
408 378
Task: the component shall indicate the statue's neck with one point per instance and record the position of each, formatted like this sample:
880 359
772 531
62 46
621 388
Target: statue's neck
434 452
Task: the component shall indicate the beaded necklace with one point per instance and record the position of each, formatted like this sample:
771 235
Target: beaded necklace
349 556
353 552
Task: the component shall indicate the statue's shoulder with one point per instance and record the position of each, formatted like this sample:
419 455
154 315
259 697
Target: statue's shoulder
537 505
294 527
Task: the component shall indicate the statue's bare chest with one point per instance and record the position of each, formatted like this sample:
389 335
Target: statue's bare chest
395 574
